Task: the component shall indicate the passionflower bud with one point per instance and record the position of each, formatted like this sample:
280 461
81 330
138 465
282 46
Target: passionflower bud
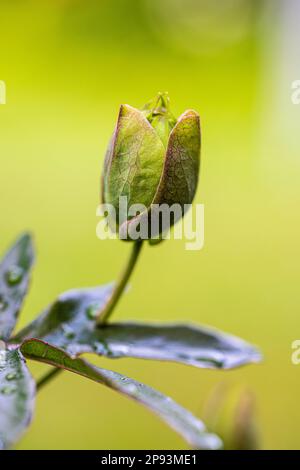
152 160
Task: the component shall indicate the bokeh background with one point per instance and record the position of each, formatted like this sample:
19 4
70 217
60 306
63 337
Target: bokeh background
68 64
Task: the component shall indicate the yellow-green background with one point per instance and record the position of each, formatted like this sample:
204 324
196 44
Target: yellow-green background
68 65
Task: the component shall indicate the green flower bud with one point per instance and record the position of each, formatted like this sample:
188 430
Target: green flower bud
152 159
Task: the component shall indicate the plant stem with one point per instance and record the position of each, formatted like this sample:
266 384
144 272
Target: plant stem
48 376
105 313
110 305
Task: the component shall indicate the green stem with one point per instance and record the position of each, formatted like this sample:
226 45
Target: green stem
47 377
110 305
105 313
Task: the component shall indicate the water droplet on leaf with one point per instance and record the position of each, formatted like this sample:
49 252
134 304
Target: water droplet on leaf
11 376
92 311
102 348
68 332
14 275
3 304
8 390
131 388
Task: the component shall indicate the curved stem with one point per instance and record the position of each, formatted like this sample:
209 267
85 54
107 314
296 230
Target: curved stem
105 313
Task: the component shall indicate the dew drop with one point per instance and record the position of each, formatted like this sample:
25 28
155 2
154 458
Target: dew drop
92 311
131 388
102 348
11 376
7 390
98 348
68 332
3 304
14 275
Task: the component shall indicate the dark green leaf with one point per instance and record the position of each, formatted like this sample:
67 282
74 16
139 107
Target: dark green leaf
181 420
14 279
17 390
69 325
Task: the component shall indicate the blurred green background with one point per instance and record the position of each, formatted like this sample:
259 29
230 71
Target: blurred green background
68 65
